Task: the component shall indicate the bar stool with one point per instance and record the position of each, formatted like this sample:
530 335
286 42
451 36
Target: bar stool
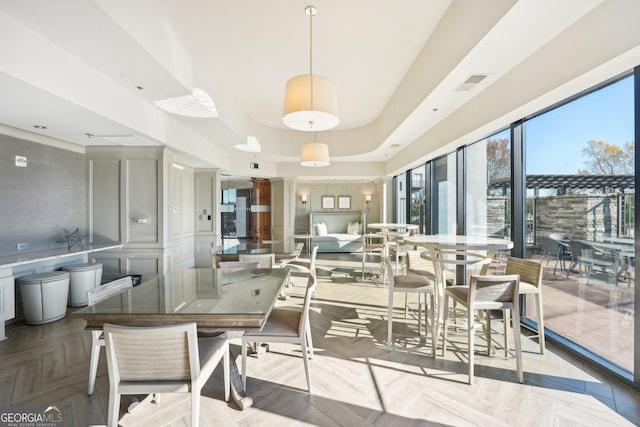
44 297
84 276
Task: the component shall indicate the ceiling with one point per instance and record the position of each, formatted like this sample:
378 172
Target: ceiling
90 72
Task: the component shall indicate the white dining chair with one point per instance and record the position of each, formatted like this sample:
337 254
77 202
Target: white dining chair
162 359
265 260
530 273
446 262
238 264
485 293
285 326
308 267
373 244
215 251
94 296
416 284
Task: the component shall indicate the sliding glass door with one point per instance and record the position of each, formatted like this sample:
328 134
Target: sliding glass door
580 203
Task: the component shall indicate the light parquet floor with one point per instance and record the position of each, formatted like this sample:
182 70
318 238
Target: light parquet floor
356 381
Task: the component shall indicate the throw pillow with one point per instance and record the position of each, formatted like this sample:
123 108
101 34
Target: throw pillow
353 228
322 229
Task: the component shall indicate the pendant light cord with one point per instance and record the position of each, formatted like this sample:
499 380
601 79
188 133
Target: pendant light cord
311 13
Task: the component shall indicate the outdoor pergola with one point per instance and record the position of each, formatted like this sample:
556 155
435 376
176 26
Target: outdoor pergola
606 183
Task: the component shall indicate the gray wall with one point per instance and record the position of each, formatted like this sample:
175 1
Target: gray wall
315 191
42 200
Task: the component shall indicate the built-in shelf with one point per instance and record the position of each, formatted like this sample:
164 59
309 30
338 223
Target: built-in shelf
10 261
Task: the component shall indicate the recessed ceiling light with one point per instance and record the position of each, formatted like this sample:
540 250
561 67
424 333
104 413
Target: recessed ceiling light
39 127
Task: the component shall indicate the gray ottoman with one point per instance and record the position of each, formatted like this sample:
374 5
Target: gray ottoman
44 297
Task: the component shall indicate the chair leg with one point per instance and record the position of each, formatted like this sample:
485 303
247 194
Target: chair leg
244 365
505 319
434 339
445 324
195 407
309 340
226 369
95 357
305 356
488 333
390 322
541 338
114 407
406 305
516 337
419 315
470 340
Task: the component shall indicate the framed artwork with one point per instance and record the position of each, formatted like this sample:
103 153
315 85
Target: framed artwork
328 202
344 202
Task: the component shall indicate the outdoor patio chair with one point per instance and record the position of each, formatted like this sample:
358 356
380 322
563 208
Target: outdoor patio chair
554 249
590 257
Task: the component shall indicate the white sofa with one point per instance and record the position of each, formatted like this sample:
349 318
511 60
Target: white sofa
337 238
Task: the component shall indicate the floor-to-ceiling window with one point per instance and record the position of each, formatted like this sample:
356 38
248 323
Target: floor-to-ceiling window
443 188
418 182
400 198
580 194
575 213
488 188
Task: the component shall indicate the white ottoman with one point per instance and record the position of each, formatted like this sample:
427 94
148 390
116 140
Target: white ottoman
44 297
83 277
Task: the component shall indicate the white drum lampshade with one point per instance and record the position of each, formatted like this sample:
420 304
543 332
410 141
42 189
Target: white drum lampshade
315 154
302 112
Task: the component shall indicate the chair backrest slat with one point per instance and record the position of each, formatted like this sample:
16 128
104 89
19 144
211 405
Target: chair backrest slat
238 264
498 289
152 354
101 293
265 260
530 271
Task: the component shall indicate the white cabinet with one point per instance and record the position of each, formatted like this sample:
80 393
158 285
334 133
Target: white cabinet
7 299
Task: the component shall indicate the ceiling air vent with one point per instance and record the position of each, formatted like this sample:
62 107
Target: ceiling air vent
471 82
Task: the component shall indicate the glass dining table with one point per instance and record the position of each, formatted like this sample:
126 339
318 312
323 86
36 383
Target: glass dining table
231 250
222 300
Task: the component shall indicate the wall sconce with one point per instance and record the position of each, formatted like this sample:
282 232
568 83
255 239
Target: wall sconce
367 198
304 199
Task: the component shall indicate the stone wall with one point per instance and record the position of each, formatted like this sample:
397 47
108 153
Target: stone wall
497 221
589 217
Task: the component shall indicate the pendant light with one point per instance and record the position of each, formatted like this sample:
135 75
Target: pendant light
314 154
310 102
